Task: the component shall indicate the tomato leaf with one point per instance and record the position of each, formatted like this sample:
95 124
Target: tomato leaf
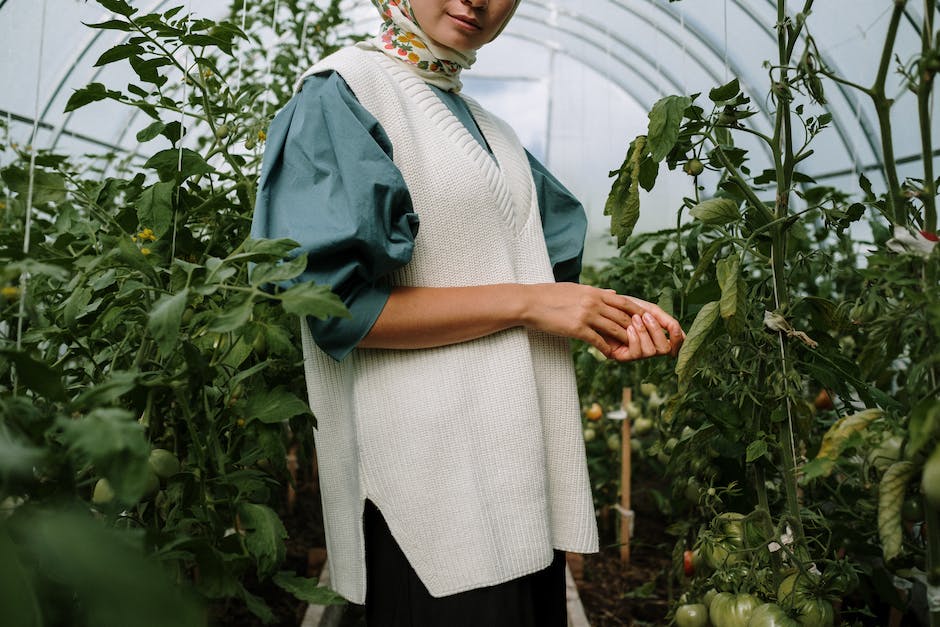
151 131
168 164
890 498
729 275
46 186
36 375
277 272
112 25
118 6
117 384
234 317
623 202
835 438
116 444
89 94
307 589
118 53
756 450
264 535
695 339
716 211
165 319
705 262
665 120
155 208
309 299
923 425
725 92
277 405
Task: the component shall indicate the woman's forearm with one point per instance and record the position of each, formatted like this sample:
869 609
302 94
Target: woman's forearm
426 317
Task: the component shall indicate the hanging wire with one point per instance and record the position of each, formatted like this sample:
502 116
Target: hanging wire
179 159
9 128
682 38
725 27
303 36
24 277
241 57
269 78
657 43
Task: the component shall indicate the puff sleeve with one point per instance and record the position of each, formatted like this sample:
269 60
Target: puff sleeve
328 182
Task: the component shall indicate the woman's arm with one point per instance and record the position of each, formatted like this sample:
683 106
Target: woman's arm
621 327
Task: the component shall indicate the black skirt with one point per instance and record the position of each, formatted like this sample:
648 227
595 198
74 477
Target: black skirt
395 597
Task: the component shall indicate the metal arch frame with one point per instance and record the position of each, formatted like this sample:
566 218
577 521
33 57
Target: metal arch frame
863 121
692 29
55 93
674 82
94 38
838 124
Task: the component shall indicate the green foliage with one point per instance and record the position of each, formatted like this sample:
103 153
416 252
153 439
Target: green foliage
140 330
806 391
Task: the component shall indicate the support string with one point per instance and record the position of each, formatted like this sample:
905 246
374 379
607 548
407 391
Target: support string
179 159
27 228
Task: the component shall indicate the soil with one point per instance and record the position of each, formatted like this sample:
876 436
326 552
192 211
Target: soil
617 594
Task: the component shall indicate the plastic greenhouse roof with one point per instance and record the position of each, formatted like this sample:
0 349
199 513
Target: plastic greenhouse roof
581 77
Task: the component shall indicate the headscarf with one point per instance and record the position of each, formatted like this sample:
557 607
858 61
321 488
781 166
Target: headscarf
401 38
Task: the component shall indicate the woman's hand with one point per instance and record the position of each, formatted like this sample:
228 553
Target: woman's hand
624 328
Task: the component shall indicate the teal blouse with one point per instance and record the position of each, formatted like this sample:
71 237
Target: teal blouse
328 182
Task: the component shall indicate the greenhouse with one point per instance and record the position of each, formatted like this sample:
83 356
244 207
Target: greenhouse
271 302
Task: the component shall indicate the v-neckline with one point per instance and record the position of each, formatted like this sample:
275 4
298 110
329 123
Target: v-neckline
505 177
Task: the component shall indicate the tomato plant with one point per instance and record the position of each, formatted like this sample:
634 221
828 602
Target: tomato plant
148 384
799 341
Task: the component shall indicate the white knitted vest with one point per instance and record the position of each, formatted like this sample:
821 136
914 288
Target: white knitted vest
473 452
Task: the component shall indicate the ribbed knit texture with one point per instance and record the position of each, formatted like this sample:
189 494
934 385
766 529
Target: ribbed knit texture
473 452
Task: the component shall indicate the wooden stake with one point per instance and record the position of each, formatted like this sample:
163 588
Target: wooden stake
626 514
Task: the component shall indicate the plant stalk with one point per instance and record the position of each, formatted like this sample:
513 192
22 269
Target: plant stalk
783 142
896 208
924 93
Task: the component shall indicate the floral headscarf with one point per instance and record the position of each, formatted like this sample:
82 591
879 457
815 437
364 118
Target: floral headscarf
402 38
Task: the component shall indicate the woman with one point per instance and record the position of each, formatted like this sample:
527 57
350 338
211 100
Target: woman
452 466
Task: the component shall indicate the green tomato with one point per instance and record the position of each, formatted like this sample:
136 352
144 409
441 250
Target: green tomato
709 596
692 615
634 410
589 434
798 591
815 612
648 389
737 530
153 484
642 426
613 442
732 610
770 615
694 167
717 552
164 463
103 492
